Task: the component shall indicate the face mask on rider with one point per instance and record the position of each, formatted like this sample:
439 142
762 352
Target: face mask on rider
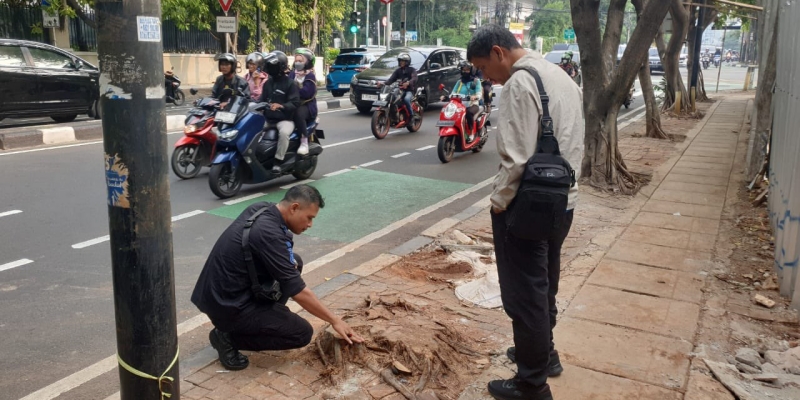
298 66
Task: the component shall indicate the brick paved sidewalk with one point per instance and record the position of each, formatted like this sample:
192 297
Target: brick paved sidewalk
631 294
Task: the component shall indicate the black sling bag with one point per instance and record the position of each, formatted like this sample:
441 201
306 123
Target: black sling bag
264 292
540 205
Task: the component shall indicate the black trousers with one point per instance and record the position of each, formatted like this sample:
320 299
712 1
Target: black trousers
471 112
268 326
529 272
301 117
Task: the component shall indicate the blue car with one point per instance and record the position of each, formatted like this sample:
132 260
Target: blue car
347 64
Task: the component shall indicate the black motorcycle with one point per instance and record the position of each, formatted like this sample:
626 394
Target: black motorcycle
172 84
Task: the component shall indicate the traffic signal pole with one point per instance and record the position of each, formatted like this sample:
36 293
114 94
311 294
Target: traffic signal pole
698 42
355 33
366 23
130 52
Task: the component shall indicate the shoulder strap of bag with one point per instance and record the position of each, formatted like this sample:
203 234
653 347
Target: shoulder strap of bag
547 142
248 253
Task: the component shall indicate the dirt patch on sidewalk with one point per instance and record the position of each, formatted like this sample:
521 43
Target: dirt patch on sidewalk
430 266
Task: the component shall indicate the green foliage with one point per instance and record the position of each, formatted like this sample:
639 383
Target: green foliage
549 23
330 55
452 37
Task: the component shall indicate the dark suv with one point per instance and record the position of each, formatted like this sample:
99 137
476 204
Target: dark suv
39 80
434 65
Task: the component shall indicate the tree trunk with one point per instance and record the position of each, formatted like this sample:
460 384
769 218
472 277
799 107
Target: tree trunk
675 89
606 87
653 113
764 102
315 28
709 15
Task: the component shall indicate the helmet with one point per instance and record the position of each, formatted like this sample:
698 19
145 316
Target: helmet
255 58
568 53
466 64
228 58
308 54
404 57
276 63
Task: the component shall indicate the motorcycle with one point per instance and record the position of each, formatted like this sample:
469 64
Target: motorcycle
453 126
246 149
706 61
390 111
198 145
629 98
172 81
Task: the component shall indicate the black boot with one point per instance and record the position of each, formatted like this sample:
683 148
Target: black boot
554 366
513 389
229 357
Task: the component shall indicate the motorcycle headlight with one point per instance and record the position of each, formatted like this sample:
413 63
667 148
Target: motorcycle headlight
190 128
450 110
354 81
175 84
229 134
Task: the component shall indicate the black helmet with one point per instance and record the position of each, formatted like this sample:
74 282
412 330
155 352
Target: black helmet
276 63
404 57
255 58
227 57
466 64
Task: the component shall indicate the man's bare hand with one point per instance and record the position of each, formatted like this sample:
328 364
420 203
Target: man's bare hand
275 106
346 332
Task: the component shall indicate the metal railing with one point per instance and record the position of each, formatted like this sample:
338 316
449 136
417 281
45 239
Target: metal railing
19 23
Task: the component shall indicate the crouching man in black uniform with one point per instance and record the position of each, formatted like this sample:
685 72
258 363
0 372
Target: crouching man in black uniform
248 305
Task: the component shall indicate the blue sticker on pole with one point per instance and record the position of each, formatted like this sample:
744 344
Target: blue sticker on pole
149 29
117 182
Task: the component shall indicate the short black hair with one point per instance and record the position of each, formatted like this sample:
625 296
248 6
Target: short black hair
304 194
488 36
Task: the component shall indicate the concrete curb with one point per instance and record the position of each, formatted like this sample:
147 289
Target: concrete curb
334 104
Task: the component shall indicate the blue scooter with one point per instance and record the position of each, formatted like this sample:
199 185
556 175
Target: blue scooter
246 149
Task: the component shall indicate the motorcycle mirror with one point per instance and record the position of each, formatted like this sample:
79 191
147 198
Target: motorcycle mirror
193 91
441 86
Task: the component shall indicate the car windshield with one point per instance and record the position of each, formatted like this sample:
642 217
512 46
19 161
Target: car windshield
389 59
554 56
350 59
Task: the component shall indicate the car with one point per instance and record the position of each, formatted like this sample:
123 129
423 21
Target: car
655 60
555 58
39 80
344 68
683 56
620 52
434 65
565 46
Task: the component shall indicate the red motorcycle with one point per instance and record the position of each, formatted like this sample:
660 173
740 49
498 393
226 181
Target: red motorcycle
196 148
390 111
453 128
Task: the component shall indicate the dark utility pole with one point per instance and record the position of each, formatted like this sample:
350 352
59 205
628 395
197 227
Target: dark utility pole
698 43
130 52
258 28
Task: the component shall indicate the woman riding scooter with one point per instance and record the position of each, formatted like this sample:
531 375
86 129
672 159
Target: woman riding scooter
470 86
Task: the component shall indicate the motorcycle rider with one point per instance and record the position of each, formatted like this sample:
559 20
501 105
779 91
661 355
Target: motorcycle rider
469 85
568 65
228 80
407 75
283 98
255 77
486 84
303 75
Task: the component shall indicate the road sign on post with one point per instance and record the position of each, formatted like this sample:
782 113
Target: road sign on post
131 57
226 24
49 17
226 5
569 34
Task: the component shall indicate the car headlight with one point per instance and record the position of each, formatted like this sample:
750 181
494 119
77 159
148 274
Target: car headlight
354 81
190 128
450 110
229 134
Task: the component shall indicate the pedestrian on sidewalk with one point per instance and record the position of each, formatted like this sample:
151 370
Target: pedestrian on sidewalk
528 270
252 272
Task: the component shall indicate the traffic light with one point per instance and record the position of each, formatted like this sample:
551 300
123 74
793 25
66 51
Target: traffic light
355 21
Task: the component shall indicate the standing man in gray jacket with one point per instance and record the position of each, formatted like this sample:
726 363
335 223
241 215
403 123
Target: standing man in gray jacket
529 270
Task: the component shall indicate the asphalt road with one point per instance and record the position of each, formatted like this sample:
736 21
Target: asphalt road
57 315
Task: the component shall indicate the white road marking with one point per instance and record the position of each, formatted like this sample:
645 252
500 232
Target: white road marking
15 264
337 110
357 140
371 163
339 172
187 215
426 147
92 242
291 185
400 155
245 198
61 147
7 213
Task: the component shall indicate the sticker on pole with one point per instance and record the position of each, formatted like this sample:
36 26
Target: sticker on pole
149 28
117 182
225 4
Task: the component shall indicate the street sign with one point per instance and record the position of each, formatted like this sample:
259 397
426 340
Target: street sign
382 1
49 20
226 5
518 29
383 21
411 36
226 24
569 34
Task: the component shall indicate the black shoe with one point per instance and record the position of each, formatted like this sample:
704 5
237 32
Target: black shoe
512 389
276 169
554 367
229 357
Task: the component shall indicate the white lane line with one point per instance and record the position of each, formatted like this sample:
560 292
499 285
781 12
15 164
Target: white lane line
245 198
92 242
426 147
339 172
400 155
15 264
339 110
7 213
336 254
357 140
371 163
61 147
187 215
291 185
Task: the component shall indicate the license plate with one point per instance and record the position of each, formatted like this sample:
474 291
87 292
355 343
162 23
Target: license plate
225 117
379 104
369 97
446 123
344 86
